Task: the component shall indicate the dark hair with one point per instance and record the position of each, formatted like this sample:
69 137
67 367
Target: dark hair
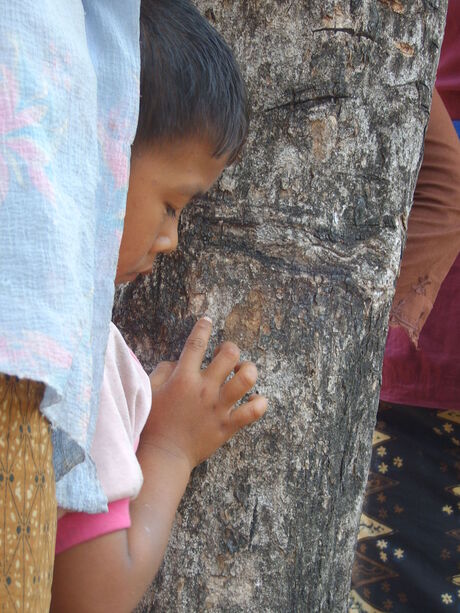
190 82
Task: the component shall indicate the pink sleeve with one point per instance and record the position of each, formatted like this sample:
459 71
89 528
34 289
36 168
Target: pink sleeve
76 528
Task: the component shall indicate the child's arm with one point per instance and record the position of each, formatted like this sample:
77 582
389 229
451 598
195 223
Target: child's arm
191 417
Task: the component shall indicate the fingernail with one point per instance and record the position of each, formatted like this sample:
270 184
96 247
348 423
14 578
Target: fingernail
261 403
207 318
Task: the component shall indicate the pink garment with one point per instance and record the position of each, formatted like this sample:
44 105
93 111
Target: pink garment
430 375
448 75
124 405
76 528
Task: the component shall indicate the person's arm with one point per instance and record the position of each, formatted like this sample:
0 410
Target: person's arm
192 416
433 235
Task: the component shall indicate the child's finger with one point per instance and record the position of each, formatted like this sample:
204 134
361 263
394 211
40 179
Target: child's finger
240 384
224 362
161 374
218 348
248 413
195 346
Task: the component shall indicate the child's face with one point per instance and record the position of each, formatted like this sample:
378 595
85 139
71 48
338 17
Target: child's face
163 179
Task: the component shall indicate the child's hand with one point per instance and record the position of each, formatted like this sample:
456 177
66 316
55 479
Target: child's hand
192 409
191 417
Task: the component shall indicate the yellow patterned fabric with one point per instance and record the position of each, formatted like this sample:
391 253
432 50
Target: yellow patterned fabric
407 555
27 499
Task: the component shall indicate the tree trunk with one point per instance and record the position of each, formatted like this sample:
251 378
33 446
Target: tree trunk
294 255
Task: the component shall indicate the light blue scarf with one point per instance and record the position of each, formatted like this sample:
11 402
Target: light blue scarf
69 95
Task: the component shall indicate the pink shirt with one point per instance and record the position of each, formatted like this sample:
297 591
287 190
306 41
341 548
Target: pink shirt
124 405
448 75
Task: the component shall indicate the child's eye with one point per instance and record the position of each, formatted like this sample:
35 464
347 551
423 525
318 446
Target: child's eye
170 210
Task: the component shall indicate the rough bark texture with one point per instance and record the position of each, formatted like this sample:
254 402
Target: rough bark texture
294 255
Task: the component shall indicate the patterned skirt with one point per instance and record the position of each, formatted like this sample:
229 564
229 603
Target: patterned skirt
408 550
27 499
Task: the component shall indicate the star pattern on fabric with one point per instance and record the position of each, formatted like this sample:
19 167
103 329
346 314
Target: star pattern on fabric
423 283
388 605
386 587
445 554
448 428
382 570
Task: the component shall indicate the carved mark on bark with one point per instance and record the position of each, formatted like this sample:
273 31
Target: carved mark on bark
253 526
350 31
323 132
315 101
394 5
243 323
405 48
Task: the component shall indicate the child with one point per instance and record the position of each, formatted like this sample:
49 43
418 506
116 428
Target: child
192 124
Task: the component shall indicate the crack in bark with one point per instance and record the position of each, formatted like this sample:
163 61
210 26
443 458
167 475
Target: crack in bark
364 176
316 101
345 274
350 31
252 528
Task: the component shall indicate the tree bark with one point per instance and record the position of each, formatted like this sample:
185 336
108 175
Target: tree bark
294 255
